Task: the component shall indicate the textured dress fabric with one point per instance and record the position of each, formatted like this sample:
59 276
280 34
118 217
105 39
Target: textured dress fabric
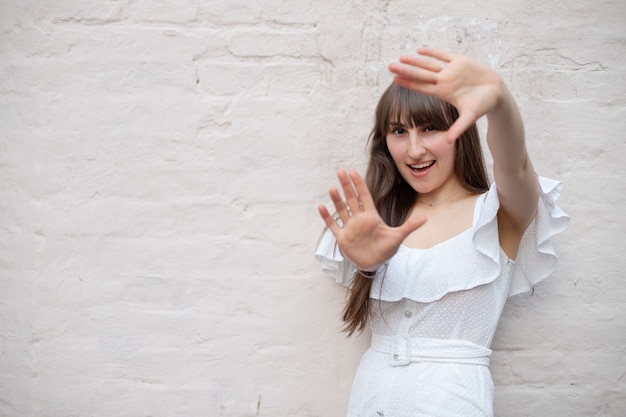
434 313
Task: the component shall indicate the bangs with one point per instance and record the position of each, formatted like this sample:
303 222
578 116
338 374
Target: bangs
399 105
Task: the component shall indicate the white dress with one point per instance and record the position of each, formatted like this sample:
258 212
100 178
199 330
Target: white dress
434 312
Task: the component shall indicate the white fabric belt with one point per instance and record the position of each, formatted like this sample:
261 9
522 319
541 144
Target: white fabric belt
403 350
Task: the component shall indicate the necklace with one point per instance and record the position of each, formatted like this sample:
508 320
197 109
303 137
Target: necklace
440 201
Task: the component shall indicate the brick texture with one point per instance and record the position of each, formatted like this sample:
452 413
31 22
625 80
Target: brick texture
160 168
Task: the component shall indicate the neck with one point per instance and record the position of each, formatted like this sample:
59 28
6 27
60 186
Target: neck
447 192
437 202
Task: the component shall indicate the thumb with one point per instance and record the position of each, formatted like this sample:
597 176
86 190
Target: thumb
413 223
459 127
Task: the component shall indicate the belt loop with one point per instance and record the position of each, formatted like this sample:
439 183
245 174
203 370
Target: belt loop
395 357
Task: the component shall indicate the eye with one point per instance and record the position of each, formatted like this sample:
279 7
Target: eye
397 130
428 128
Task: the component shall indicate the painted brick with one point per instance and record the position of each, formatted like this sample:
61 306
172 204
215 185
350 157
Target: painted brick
160 170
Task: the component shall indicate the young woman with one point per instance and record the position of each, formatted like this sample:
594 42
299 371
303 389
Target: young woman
429 249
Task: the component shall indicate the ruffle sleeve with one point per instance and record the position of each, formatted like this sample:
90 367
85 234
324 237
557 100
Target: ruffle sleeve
536 258
333 263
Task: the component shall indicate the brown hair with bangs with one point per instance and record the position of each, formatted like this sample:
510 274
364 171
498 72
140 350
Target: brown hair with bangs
393 196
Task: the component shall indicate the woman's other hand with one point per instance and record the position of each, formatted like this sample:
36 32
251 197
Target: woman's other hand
361 234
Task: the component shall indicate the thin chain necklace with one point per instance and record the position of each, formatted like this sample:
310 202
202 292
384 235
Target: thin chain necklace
440 201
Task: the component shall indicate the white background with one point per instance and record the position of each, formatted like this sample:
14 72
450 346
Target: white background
160 168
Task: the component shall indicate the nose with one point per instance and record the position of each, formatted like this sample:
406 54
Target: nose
416 147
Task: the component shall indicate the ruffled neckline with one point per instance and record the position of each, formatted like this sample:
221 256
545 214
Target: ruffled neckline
474 257
427 274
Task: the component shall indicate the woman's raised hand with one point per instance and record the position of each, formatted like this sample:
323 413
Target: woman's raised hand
362 235
473 88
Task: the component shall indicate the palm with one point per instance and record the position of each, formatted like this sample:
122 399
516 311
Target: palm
362 235
473 88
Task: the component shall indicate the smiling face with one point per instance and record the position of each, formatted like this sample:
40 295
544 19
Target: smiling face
423 156
395 184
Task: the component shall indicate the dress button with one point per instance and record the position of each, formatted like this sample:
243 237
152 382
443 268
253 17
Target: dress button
408 314
380 412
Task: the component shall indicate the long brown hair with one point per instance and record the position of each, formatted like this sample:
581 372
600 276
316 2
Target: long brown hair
393 196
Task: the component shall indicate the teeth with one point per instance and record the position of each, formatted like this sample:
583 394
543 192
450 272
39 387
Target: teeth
422 165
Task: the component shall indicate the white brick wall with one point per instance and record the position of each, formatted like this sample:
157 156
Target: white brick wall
160 168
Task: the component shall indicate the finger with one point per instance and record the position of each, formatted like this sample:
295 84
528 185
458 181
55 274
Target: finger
436 53
432 65
465 120
413 223
340 206
348 190
328 219
413 73
367 203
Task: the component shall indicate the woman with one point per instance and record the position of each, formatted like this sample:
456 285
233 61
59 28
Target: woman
430 251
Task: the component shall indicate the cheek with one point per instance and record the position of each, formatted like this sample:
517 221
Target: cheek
444 149
395 149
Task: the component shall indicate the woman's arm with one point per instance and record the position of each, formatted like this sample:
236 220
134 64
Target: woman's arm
518 189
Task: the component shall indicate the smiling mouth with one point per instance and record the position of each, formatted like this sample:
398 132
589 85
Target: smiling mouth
422 166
